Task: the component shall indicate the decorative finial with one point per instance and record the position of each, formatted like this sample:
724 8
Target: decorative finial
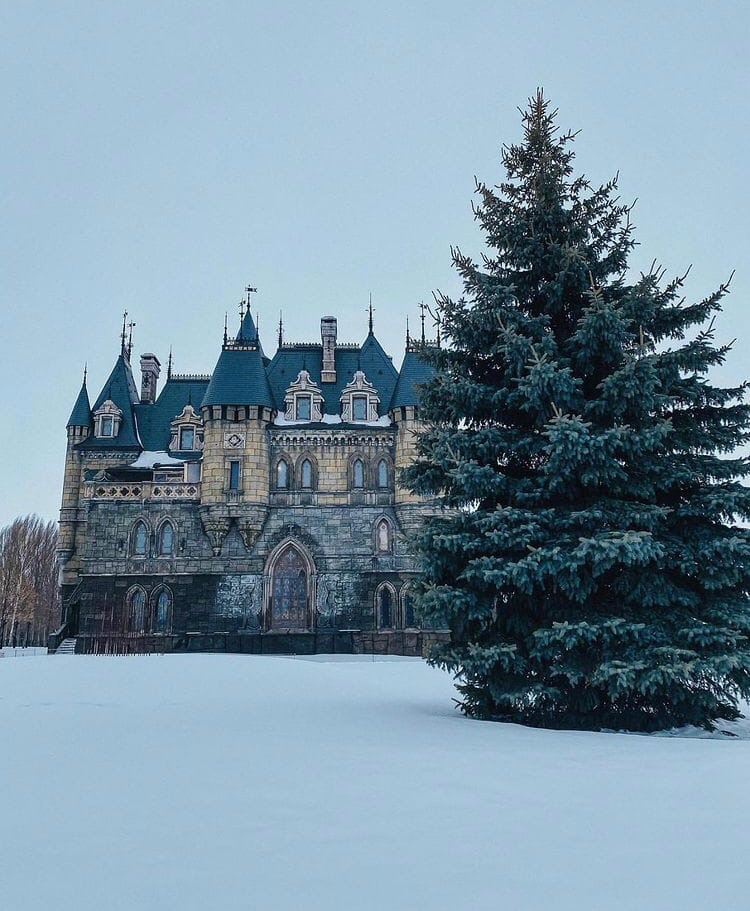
422 308
370 312
408 340
85 373
242 317
131 325
169 365
122 334
226 317
257 325
281 328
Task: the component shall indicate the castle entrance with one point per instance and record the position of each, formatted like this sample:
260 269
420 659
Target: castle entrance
289 591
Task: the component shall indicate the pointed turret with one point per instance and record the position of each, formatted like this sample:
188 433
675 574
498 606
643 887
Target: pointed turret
80 416
117 398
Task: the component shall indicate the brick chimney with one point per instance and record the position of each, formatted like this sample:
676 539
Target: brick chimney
150 369
328 337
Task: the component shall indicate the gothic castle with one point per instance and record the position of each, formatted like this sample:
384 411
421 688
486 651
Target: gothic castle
257 509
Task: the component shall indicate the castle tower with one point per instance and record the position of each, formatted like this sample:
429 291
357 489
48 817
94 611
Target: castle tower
78 428
236 411
405 412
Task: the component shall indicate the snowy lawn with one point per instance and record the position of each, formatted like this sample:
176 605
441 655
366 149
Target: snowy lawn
236 782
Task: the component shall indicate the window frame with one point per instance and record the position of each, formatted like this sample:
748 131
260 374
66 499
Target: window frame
298 400
357 399
234 475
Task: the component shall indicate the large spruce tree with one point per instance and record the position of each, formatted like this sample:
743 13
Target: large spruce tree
586 560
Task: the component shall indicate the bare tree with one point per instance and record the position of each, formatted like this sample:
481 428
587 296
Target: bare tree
29 596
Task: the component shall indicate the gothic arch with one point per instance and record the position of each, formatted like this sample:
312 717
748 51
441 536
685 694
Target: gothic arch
352 480
408 616
276 468
140 534
162 609
383 535
300 471
166 538
289 588
386 606
136 605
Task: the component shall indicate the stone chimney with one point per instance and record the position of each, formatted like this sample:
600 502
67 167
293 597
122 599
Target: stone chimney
328 337
150 369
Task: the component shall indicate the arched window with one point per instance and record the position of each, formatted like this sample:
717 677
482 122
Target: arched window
306 475
140 539
382 473
162 611
166 540
358 473
385 607
383 537
282 475
407 609
135 611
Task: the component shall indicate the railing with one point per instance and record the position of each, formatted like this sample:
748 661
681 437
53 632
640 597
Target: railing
54 639
148 490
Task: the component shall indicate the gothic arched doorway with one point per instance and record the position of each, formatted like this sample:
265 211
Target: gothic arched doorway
290 588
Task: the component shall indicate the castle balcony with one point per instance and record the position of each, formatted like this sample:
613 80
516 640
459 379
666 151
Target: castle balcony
147 490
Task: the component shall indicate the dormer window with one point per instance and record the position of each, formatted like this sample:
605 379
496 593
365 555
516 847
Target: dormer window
359 400
302 408
187 438
187 431
107 420
303 400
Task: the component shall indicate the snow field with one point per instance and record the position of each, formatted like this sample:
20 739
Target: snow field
239 782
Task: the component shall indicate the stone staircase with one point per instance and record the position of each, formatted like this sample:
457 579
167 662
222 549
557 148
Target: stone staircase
66 647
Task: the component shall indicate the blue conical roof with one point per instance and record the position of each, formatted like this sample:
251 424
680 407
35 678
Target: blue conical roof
413 372
120 388
80 416
248 330
239 378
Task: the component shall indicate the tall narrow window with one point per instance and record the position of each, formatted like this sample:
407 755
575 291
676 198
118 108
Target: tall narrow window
136 611
407 601
385 605
302 403
140 539
193 472
187 438
107 427
162 610
166 540
282 475
306 475
359 408
358 473
382 473
383 536
234 475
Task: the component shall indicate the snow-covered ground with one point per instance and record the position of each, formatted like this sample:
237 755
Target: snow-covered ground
231 782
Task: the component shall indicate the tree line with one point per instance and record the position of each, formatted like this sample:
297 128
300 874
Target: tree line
29 592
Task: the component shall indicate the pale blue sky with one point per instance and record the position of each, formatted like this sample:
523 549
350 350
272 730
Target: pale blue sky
158 156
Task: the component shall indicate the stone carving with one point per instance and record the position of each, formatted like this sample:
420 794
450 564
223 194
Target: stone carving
216 530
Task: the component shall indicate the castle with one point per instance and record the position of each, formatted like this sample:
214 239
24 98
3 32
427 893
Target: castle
257 509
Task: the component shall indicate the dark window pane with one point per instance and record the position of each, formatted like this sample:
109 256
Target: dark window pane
359 473
139 539
307 474
187 438
303 407
161 616
359 408
107 427
167 539
234 475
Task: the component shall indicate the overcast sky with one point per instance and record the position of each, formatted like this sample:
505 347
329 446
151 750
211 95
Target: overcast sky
157 157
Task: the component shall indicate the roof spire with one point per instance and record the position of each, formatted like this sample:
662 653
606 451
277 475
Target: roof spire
131 324
169 365
422 308
408 340
242 317
281 328
122 334
370 312
85 374
257 324
226 316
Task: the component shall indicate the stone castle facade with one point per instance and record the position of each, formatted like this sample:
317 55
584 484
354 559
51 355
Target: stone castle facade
257 509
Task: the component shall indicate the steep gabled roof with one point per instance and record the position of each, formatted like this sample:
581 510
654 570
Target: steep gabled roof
119 388
239 378
154 420
370 357
80 416
413 372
